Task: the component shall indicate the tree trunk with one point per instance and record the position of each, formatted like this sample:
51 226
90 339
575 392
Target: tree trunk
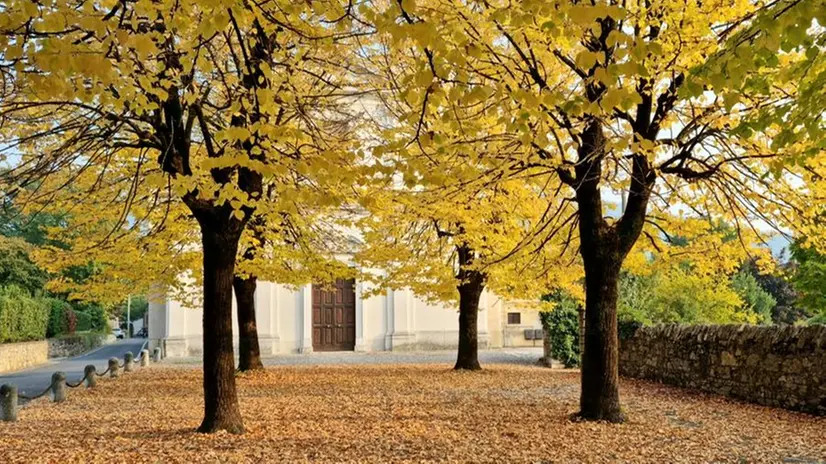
249 353
603 248
221 411
471 285
469 295
599 398
581 316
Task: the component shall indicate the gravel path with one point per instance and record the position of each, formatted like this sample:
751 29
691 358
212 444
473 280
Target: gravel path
520 356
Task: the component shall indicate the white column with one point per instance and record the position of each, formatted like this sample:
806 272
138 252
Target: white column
360 346
388 317
175 343
404 332
264 315
482 320
274 307
307 317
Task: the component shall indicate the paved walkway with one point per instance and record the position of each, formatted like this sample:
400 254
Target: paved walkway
525 356
34 380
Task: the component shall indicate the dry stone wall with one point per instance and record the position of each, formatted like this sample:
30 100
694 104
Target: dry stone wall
780 366
74 345
14 356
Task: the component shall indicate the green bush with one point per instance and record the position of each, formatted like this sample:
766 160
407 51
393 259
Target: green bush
562 323
97 316
57 317
627 326
89 340
84 322
819 319
22 318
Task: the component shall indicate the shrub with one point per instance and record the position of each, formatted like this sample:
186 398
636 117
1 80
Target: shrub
88 341
84 321
22 318
819 319
97 320
627 326
57 317
562 323
755 298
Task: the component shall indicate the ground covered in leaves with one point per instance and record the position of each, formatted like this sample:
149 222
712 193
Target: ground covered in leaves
402 413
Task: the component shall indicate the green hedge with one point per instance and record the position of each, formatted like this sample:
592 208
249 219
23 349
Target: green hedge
22 318
97 320
84 322
57 317
89 340
66 318
562 323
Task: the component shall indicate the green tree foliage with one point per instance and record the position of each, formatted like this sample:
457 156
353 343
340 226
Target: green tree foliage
31 228
680 295
94 313
755 298
637 297
810 279
140 305
17 269
779 285
20 235
22 317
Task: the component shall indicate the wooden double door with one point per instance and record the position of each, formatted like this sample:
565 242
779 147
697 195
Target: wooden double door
334 316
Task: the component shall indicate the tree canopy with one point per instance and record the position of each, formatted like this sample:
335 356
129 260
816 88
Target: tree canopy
503 144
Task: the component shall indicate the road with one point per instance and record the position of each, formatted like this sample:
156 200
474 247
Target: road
525 356
34 380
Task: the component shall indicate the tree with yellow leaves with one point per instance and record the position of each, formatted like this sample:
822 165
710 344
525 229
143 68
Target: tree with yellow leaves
434 220
604 95
208 101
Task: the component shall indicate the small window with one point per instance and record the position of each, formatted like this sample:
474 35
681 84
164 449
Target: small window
514 318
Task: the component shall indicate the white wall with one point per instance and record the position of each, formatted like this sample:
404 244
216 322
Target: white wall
390 320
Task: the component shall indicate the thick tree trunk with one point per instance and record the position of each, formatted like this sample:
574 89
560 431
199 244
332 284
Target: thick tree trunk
471 285
581 316
599 398
221 411
603 248
249 353
469 295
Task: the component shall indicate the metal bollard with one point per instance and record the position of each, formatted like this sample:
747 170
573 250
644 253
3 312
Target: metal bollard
128 361
114 367
144 358
90 374
8 403
58 393
156 354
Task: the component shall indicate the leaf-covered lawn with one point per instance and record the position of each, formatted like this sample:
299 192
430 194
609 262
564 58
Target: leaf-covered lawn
402 413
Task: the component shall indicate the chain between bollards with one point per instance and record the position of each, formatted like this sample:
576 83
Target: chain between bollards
30 398
9 397
89 373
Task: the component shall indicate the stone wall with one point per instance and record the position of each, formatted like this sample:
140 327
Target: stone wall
780 366
14 356
74 345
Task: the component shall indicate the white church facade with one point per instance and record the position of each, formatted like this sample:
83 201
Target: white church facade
316 318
